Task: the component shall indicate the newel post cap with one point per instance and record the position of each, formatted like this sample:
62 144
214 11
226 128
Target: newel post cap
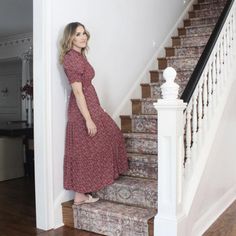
170 89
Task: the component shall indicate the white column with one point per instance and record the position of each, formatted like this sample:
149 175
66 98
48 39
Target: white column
170 218
44 187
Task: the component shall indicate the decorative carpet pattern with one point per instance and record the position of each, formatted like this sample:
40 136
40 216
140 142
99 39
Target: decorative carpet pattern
113 219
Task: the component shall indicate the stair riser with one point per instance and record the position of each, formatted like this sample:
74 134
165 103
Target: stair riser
144 166
212 5
143 107
139 145
129 194
191 41
126 124
154 76
195 31
143 170
205 13
151 91
178 63
188 52
196 22
138 124
144 125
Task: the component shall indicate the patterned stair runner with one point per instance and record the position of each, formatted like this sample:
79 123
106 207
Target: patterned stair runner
127 205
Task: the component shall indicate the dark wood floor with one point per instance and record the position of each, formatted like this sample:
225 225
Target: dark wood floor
17 211
17 214
17 208
225 224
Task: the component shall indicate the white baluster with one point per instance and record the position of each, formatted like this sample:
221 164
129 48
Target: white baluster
214 95
231 41
188 139
234 15
205 100
194 125
228 49
234 35
232 20
218 81
231 30
209 91
221 65
194 119
200 111
225 58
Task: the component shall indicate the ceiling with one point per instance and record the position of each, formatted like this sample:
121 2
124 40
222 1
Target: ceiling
16 17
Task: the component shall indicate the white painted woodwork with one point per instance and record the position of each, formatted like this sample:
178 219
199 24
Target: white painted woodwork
169 220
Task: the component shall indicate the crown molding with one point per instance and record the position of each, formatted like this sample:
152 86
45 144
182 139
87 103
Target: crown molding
17 39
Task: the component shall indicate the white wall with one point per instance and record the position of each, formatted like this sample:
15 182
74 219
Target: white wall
218 184
125 35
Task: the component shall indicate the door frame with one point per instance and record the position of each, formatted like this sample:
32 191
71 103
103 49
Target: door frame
42 22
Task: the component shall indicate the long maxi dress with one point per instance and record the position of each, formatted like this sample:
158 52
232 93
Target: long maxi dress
90 163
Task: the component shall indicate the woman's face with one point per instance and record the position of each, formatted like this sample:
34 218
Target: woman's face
80 39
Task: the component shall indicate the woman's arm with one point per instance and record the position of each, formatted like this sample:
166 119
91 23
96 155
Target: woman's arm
81 102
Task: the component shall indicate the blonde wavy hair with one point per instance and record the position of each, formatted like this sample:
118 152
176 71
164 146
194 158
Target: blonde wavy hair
66 41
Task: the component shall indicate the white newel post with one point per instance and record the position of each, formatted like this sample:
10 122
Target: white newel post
170 218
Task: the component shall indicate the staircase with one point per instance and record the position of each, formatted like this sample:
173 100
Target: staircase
128 206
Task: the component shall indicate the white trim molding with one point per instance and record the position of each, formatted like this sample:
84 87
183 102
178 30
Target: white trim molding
214 212
17 39
43 114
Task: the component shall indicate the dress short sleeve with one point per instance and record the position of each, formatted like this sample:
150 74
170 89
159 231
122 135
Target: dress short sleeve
74 67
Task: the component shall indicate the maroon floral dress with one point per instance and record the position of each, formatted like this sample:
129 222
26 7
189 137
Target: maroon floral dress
90 163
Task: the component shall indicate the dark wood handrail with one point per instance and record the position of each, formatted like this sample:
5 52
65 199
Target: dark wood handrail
193 81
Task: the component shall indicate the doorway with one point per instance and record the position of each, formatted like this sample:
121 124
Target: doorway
16 137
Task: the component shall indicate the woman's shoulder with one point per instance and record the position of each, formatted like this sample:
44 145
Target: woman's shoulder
72 58
72 54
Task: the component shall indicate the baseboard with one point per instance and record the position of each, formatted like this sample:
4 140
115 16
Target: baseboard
210 216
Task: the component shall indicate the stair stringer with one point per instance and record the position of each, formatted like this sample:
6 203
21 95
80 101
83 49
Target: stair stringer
135 91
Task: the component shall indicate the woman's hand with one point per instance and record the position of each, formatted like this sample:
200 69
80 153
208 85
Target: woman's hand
91 127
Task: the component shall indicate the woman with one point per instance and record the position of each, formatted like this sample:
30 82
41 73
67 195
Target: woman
95 153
